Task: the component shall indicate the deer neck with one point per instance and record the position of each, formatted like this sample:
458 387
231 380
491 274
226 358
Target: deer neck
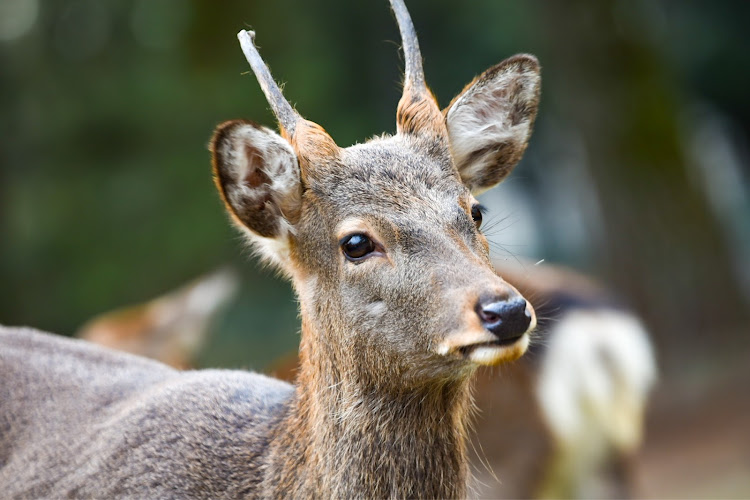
355 439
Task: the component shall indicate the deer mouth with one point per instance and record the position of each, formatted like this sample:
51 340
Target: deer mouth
465 350
494 352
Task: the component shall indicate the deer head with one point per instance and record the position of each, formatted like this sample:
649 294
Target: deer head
383 240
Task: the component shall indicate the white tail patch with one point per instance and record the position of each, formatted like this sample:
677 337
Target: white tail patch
594 382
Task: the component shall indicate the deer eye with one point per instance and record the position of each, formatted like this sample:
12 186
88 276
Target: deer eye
476 214
357 246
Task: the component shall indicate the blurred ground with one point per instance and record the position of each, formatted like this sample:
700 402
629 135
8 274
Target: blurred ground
698 435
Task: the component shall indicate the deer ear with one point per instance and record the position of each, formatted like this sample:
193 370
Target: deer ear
489 122
257 174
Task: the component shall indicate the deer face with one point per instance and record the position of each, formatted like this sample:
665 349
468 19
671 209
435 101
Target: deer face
383 240
395 252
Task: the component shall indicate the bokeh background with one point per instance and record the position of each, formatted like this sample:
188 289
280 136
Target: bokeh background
638 172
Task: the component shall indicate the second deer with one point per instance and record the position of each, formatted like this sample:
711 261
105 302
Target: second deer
399 306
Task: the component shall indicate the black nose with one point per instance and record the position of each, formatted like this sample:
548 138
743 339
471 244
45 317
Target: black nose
507 319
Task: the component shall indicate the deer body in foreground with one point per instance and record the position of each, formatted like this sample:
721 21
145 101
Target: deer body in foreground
399 306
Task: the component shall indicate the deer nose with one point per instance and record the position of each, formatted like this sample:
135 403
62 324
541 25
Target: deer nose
508 319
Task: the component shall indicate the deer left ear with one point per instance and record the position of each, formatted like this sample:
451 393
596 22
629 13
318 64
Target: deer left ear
257 173
489 123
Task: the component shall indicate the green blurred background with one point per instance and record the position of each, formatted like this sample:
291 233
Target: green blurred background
637 173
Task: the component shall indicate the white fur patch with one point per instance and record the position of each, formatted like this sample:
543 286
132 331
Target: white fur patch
376 309
272 250
594 381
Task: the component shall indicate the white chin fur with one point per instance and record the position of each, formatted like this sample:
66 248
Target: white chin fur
494 355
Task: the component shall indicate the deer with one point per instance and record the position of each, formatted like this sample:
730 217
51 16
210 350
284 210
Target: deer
398 301
172 328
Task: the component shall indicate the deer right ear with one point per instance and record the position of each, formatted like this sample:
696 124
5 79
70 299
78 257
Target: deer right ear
258 177
489 123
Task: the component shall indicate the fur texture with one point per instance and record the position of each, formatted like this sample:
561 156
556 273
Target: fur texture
79 420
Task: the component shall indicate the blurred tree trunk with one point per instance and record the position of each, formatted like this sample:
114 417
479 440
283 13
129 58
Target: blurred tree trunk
662 248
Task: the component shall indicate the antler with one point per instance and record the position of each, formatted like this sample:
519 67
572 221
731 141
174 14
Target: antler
413 58
287 116
417 110
308 139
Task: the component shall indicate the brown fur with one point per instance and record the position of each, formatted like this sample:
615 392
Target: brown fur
511 436
418 113
312 144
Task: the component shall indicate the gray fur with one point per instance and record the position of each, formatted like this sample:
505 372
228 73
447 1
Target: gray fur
78 420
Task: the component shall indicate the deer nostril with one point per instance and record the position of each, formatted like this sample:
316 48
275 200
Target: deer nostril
507 319
489 313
